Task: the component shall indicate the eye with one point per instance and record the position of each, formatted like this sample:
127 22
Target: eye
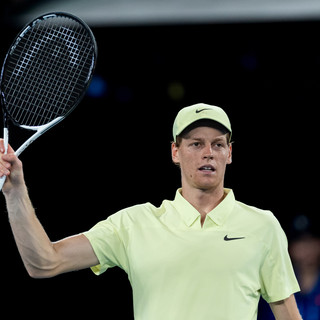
219 145
195 144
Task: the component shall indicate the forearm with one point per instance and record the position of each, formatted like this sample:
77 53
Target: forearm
41 257
37 252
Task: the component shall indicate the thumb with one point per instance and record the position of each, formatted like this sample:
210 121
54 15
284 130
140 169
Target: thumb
2 147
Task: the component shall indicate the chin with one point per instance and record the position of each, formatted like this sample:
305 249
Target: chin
209 185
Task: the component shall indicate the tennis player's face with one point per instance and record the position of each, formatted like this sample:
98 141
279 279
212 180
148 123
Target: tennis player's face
203 155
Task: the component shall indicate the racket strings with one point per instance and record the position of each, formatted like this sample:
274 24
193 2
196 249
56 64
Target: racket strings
46 77
48 71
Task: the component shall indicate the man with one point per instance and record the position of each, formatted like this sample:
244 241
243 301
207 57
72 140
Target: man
202 256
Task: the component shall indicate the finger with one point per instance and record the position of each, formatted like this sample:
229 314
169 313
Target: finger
11 162
2 146
4 172
9 158
5 160
4 168
10 150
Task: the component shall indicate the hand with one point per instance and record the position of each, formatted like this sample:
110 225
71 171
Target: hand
11 167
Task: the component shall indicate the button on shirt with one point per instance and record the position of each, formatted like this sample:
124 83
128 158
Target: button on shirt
179 269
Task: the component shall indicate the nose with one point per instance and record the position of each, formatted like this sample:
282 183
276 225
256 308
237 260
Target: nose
208 152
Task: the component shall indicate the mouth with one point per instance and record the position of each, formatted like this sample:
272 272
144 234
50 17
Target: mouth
207 169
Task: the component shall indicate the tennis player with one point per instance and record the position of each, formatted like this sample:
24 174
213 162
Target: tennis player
202 256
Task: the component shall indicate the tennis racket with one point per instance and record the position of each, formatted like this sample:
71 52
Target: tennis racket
46 73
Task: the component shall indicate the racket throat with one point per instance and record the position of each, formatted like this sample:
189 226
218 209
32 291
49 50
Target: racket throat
40 130
44 126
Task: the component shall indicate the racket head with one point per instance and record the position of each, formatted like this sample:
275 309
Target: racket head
47 69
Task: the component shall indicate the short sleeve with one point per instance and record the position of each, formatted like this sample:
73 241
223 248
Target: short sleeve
278 280
108 246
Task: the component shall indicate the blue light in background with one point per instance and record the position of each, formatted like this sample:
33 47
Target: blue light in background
98 87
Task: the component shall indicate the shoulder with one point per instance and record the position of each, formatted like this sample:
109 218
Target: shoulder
251 212
262 223
254 214
140 213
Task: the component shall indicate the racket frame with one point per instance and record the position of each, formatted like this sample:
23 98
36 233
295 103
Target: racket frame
43 128
18 38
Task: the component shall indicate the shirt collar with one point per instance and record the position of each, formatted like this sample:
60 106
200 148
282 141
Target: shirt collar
218 215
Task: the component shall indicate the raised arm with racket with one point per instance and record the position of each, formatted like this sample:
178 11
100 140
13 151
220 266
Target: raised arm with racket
46 73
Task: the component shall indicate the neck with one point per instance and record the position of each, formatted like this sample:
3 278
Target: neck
203 201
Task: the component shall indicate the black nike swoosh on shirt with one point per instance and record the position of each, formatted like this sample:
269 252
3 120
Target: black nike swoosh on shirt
226 238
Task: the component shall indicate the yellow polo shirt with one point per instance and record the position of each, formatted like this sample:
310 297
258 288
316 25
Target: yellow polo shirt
179 270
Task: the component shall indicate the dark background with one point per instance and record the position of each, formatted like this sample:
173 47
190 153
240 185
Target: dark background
114 150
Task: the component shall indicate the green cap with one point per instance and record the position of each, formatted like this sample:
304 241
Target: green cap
199 111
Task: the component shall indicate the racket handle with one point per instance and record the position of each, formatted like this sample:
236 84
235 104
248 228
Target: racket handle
2 181
5 141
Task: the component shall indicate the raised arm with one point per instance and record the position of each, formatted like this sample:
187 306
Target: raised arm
41 257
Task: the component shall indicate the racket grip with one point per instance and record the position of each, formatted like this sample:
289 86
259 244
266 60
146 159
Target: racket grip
5 142
2 181
5 139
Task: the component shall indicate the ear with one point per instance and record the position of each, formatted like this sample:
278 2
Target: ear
175 153
229 160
